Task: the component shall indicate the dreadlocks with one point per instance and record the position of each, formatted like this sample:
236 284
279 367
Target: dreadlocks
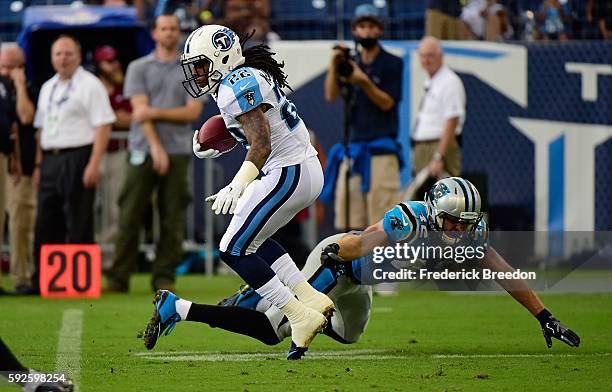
260 57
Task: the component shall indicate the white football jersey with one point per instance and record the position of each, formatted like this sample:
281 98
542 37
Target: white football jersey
245 89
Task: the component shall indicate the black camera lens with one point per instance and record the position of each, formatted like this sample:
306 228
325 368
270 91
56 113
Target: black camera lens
344 68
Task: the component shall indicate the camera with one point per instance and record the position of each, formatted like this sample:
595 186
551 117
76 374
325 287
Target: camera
344 67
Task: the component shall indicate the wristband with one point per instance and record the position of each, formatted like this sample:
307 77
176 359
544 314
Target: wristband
247 173
544 315
437 156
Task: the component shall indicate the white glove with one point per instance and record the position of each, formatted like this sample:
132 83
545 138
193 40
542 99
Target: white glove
226 199
197 149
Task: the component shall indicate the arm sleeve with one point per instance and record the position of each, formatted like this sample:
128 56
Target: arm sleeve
394 78
134 81
398 225
453 101
39 115
100 110
242 91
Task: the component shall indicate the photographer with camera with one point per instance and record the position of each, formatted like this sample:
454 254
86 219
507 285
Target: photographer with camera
371 85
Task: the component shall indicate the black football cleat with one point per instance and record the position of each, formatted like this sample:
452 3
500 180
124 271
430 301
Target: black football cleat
296 352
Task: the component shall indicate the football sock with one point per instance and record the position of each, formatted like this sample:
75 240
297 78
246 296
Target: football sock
182 308
275 292
258 274
8 360
270 250
287 271
252 268
235 319
281 263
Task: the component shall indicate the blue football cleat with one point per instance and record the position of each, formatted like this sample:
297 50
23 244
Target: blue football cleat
296 352
164 317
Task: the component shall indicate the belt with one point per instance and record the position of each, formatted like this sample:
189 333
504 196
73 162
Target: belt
414 142
59 151
458 137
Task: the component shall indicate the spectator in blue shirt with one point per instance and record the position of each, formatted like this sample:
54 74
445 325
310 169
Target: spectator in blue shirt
376 79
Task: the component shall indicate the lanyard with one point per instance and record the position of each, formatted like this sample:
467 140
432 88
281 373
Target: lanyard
64 97
421 104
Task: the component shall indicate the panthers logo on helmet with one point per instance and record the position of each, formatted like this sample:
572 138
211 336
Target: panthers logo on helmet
223 40
250 97
439 190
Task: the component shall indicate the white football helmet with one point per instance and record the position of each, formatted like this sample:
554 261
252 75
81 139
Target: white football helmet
454 198
211 53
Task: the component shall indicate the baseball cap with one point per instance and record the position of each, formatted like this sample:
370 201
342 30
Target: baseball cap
366 12
105 53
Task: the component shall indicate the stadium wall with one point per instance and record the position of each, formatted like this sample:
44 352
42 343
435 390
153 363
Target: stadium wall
538 126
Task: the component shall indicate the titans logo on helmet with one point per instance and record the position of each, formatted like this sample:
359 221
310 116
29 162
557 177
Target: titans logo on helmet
223 40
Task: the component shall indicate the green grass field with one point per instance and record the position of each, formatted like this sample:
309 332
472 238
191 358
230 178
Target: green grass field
425 341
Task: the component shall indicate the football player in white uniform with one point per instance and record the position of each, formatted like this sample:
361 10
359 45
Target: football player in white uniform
280 175
247 313
451 209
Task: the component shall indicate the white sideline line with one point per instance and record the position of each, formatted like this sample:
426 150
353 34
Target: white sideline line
518 355
255 353
382 309
217 356
357 354
69 345
250 357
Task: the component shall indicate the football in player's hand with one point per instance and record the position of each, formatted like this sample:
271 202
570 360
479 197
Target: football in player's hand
214 135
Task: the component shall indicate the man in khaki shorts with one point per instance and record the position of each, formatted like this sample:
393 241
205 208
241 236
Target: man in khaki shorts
442 19
374 154
441 115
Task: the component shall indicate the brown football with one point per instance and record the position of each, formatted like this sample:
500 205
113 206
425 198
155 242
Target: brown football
214 135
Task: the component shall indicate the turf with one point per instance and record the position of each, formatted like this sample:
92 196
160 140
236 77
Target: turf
425 341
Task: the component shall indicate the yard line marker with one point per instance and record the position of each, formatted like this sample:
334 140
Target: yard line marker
69 345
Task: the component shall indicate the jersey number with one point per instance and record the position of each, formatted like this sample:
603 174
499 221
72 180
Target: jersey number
241 74
288 111
289 114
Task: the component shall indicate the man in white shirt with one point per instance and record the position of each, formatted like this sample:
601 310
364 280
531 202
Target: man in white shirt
441 115
73 119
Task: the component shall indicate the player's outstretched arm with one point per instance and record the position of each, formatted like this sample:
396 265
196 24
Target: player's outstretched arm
352 246
522 293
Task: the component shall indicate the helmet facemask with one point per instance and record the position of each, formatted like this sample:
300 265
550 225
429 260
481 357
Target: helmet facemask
200 79
454 229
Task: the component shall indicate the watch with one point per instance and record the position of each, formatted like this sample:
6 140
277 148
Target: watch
437 156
